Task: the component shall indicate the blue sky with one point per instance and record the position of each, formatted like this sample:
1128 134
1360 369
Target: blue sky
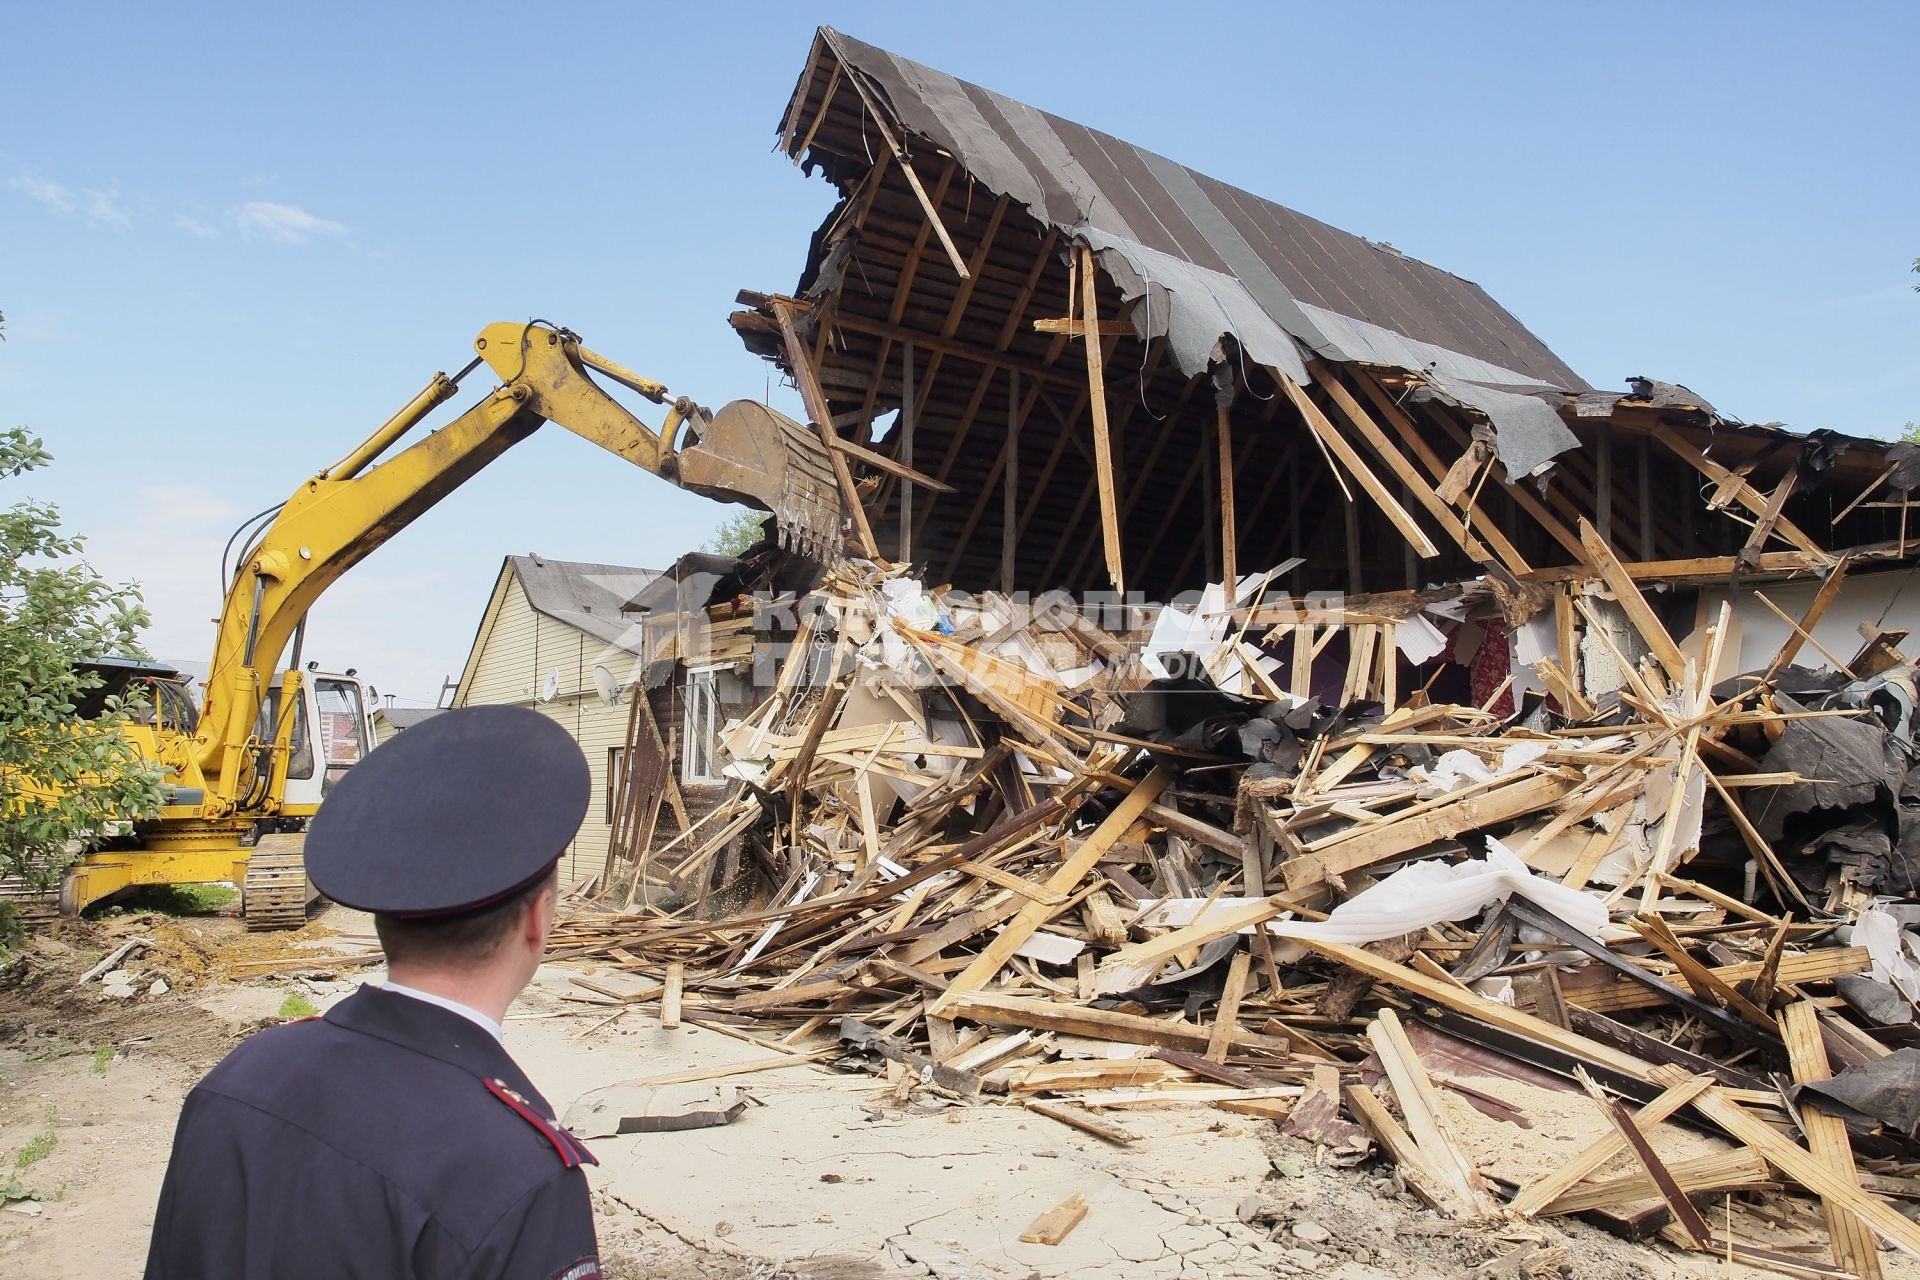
233 239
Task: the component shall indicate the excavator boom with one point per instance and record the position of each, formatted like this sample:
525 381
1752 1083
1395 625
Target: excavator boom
743 453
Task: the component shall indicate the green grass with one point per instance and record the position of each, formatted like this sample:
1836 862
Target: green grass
102 1058
297 1006
181 899
35 1151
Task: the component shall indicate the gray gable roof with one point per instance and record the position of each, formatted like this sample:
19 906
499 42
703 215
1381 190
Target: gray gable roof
1210 259
588 597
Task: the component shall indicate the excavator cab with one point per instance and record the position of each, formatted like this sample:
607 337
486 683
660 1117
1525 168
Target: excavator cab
332 729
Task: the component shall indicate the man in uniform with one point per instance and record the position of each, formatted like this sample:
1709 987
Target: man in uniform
394 1136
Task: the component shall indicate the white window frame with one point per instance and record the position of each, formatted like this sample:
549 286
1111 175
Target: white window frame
700 724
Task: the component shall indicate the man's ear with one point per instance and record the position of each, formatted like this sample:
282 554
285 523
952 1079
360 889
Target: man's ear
539 921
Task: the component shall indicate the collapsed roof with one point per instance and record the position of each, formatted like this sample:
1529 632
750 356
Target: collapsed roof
1264 386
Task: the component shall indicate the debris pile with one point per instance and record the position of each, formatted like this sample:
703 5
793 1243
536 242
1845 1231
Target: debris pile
1086 869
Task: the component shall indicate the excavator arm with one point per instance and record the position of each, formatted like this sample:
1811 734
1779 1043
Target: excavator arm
743 453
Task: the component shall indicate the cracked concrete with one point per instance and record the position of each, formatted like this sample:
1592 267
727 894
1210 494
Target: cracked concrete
829 1167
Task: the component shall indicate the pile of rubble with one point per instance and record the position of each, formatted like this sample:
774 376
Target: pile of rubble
1087 869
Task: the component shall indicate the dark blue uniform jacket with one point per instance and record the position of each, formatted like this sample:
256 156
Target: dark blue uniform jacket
390 1138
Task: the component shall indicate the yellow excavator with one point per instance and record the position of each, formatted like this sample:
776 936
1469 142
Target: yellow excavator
241 770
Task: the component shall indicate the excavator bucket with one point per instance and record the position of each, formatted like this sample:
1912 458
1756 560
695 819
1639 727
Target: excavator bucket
748 453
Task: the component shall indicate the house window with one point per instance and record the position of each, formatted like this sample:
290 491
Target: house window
700 739
616 774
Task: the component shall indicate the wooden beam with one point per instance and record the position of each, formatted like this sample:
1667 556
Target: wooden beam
1823 598
1443 515
1492 1012
988 487
1074 327
1101 1024
894 467
1364 846
1330 436
1540 1194
1165 431
1403 426
670 996
1809 1170
1702 568
897 307
1603 480
801 361
1010 491
1064 880
1853 1244
854 322
1229 527
955 313
906 167
1420 1104
907 416
1226 1019
1635 605
1743 492
1763 527
1522 496
826 101
1115 972
1102 443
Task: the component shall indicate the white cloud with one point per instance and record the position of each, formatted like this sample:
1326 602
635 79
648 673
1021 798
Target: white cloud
99 206
102 208
287 223
193 226
39 190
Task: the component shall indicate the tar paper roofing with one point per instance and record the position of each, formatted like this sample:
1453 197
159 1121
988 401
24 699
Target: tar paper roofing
1207 259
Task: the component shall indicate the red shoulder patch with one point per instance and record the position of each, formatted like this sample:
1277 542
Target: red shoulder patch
571 1150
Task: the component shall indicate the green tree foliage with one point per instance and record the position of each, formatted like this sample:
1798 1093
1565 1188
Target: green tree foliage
63 779
737 534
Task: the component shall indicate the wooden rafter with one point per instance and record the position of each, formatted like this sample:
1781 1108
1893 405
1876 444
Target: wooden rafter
897 308
1102 437
1330 435
929 206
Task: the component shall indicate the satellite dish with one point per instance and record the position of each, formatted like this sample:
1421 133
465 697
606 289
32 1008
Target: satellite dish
550 687
608 686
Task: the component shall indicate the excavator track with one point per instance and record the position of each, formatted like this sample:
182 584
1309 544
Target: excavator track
277 890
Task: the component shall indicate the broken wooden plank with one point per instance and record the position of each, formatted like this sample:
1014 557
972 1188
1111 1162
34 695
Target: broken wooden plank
670 996
1420 1104
1057 1223
1807 1169
1626 592
1225 1022
1853 1245
1102 1024
1085 1121
1364 846
1064 880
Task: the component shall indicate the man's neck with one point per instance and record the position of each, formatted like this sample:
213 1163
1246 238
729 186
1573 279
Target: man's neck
483 992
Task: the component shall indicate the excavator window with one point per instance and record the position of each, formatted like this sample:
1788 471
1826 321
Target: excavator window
343 726
300 750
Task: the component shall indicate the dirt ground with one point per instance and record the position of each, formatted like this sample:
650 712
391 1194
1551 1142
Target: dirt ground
825 1176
